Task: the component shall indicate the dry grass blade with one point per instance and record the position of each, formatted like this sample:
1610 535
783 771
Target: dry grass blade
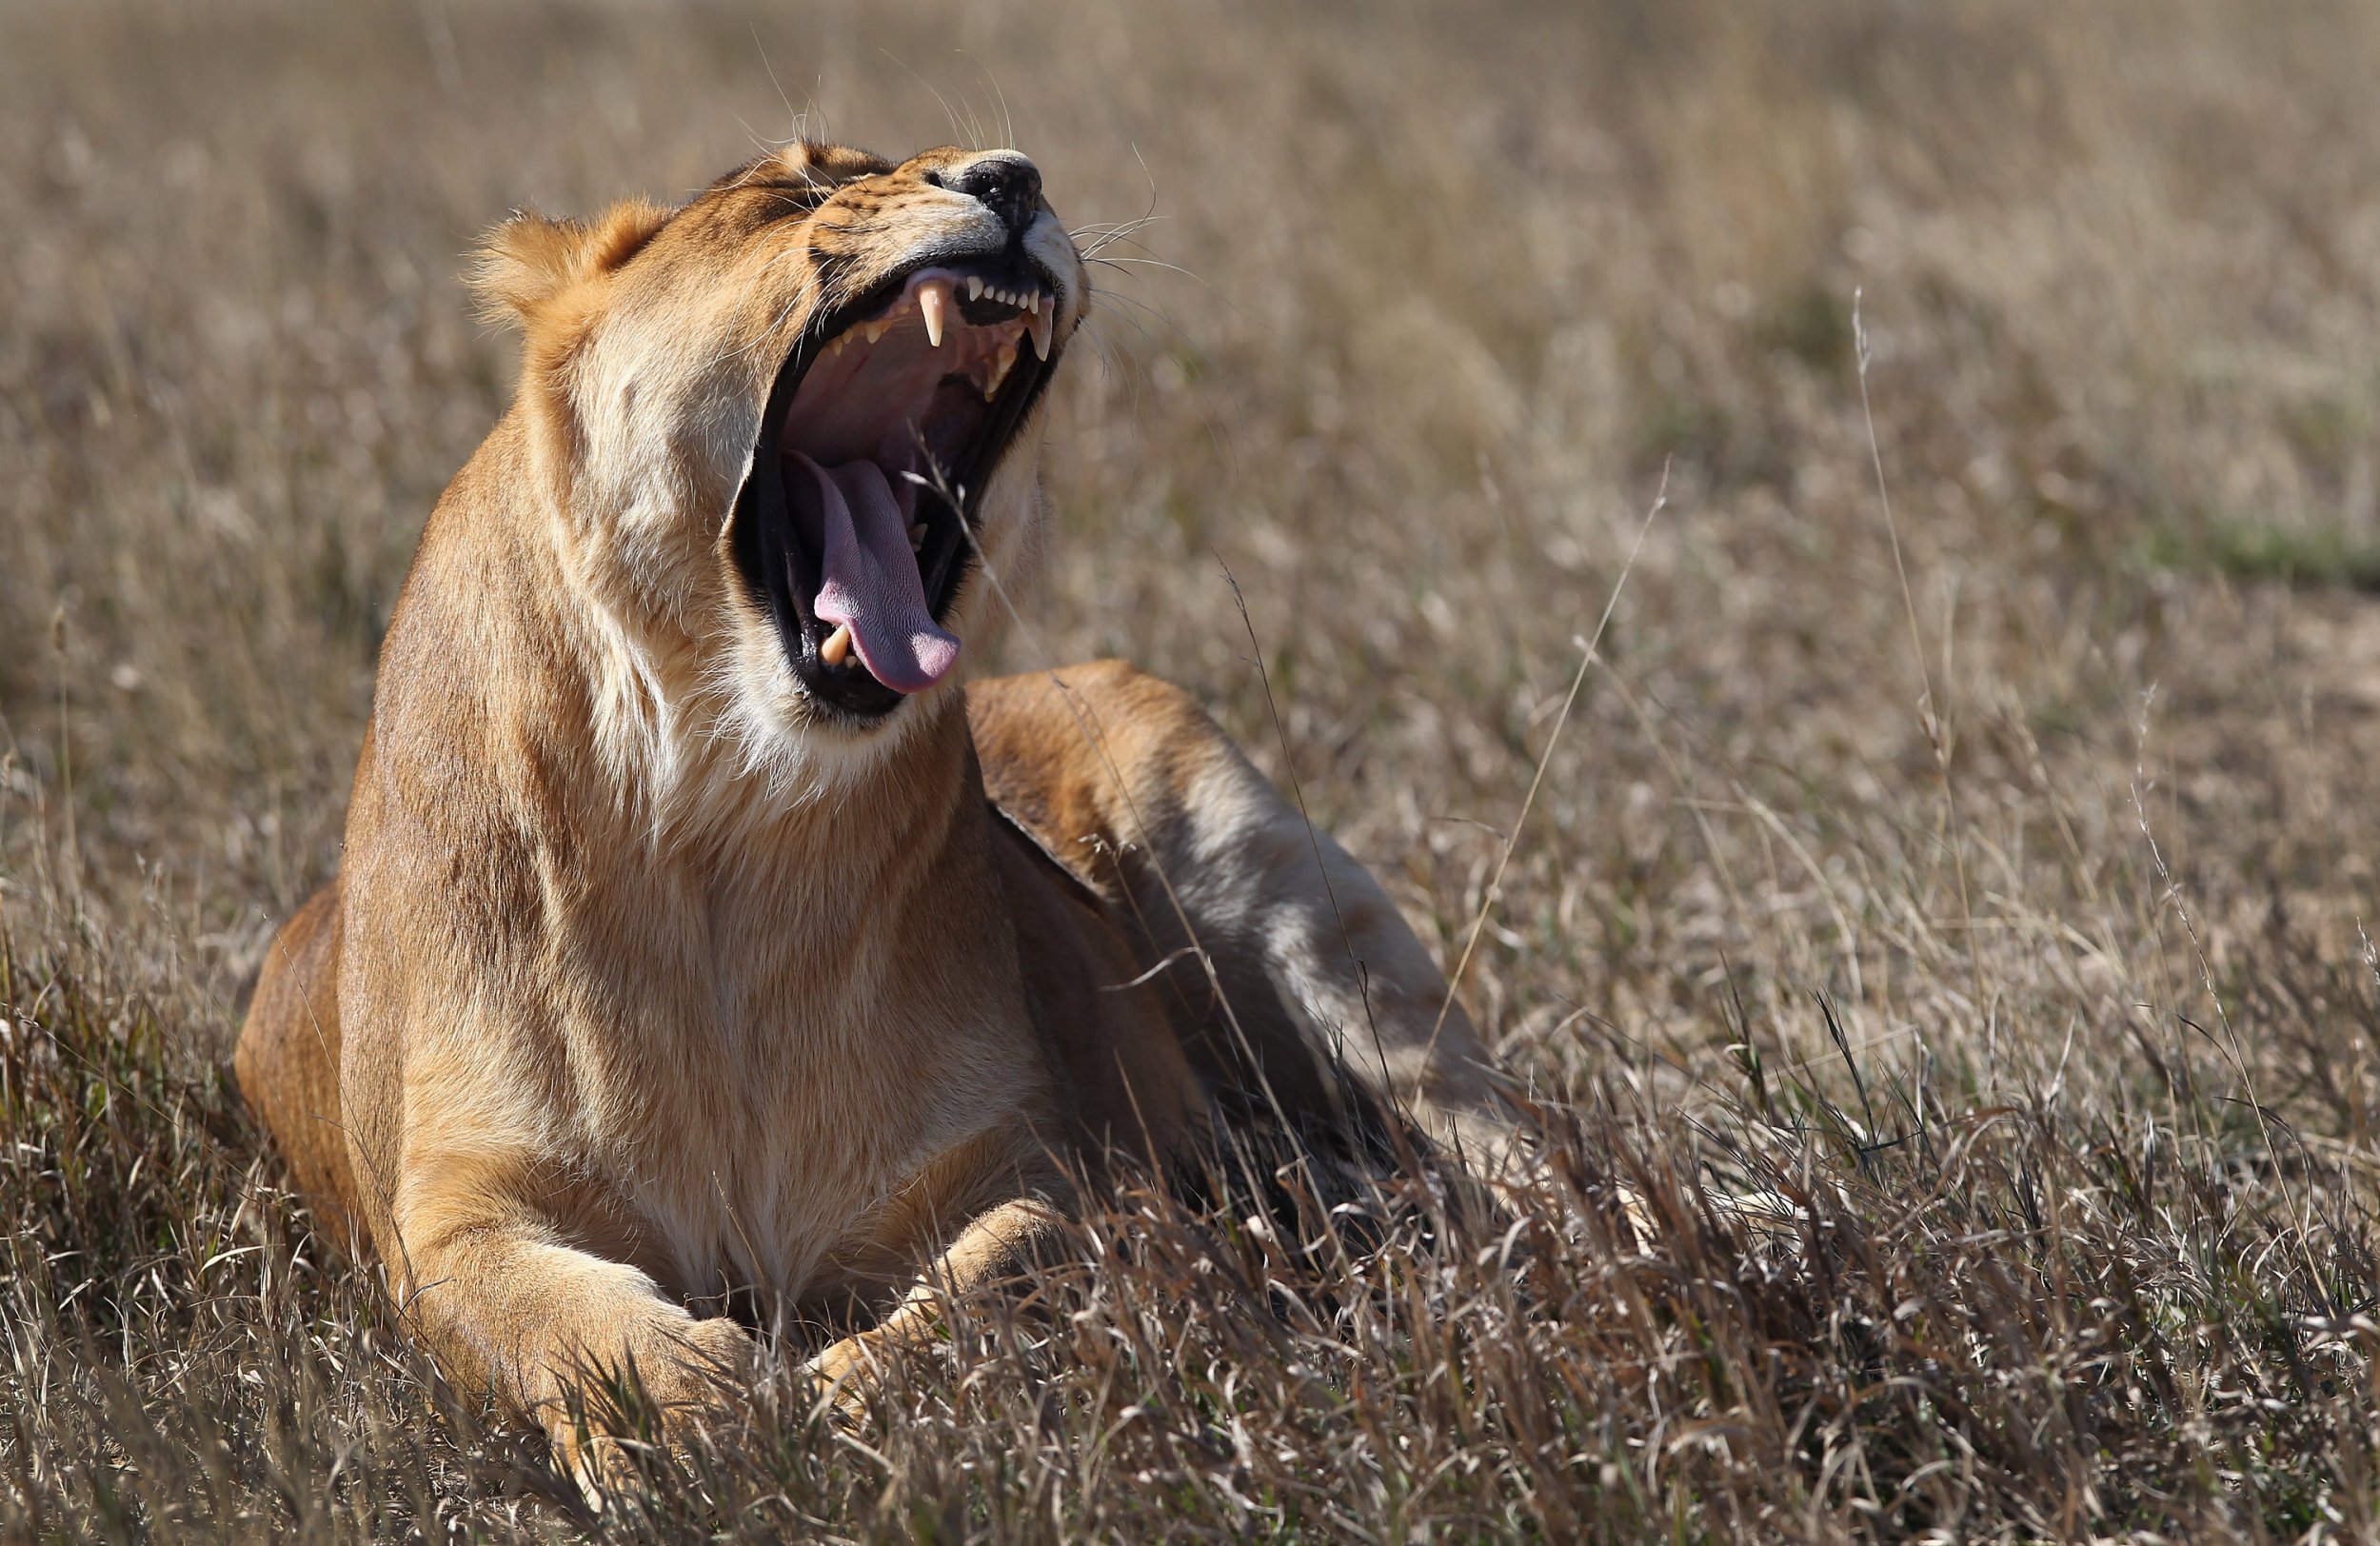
1536 774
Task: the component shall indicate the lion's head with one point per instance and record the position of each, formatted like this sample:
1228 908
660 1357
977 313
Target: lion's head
784 426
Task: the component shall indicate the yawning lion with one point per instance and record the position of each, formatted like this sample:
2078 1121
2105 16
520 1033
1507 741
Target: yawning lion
699 936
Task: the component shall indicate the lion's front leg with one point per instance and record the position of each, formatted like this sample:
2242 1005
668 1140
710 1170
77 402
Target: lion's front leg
553 1329
1004 1243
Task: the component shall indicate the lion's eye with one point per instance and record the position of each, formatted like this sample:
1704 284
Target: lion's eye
788 200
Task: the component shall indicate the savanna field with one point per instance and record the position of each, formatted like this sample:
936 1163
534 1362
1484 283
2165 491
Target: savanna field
1931 923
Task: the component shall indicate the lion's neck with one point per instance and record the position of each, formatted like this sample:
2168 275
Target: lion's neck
677 765
700 781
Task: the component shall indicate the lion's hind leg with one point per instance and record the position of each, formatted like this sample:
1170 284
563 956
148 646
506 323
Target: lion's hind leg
1131 785
287 1064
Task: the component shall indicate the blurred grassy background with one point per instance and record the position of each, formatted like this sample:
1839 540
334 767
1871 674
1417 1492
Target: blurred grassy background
1432 298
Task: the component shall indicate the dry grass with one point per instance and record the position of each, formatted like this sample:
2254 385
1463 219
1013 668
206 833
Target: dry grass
1968 975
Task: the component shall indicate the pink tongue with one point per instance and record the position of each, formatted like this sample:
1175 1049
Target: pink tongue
870 577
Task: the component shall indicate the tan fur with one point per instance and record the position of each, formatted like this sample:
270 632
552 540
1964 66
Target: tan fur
644 985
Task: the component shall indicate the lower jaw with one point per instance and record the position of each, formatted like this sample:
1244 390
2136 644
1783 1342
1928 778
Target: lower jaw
850 696
853 697
857 744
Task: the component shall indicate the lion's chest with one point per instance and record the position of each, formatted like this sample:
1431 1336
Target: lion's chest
792 1079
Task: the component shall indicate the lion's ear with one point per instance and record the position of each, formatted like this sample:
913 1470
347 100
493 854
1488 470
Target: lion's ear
529 259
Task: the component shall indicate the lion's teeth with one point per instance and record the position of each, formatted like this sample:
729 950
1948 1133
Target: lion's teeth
975 286
837 647
933 299
1001 364
873 332
917 536
1044 324
1033 302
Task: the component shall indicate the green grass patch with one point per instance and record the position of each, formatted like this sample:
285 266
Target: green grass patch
2261 550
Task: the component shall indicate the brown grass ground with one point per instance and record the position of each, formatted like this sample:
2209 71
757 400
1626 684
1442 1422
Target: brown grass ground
1961 950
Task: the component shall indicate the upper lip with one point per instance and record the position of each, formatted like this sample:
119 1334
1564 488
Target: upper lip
962 297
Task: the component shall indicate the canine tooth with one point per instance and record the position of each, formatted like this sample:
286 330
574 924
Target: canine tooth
933 299
1001 364
1044 324
917 536
837 648
975 286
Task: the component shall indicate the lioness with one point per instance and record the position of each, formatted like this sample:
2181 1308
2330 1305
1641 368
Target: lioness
700 938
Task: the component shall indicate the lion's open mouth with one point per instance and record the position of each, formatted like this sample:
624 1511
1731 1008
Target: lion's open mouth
856 522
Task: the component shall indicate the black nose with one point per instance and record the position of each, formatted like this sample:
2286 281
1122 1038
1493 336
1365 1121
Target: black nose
1005 180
